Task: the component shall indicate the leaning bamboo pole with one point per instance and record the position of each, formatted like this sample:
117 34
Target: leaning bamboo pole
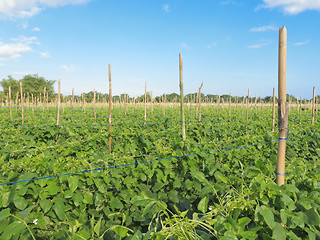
282 106
183 127
110 107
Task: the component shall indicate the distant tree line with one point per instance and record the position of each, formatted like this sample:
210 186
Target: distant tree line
35 85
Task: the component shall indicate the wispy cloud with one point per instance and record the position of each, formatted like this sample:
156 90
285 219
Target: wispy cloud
13 50
291 6
1 65
301 43
264 28
211 45
230 2
261 43
45 54
29 8
36 29
166 7
26 40
184 46
69 68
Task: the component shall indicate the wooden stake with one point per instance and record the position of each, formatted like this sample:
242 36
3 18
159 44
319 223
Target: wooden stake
94 104
183 127
110 107
72 102
151 105
58 114
248 104
230 105
10 102
22 110
313 104
200 101
145 102
282 106
274 109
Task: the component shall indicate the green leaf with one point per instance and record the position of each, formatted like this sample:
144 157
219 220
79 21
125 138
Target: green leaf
59 209
244 222
220 177
149 207
137 236
25 212
203 205
313 217
116 203
20 203
46 205
173 196
88 198
73 183
4 213
120 230
96 228
268 216
14 228
278 232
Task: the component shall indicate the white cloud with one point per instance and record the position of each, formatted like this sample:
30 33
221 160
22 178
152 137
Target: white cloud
29 8
185 46
292 6
25 40
45 54
166 8
13 50
1 65
69 68
301 43
261 43
264 28
36 29
16 47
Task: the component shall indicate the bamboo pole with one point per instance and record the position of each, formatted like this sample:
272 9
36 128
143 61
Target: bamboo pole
72 102
282 106
255 103
145 103
58 114
94 104
183 127
200 101
230 105
151 104
22 110
313 104
44 99
248 104
110 107
17 96
10 102
274 109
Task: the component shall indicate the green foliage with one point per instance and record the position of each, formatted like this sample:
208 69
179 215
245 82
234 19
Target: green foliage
227 194
32 84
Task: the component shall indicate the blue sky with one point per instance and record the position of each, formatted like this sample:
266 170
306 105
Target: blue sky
227 44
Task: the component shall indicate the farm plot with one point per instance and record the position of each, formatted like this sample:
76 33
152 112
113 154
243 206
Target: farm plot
61 182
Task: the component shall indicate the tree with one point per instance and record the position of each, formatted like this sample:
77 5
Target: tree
32 84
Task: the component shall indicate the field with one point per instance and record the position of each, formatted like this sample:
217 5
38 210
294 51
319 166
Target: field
62 182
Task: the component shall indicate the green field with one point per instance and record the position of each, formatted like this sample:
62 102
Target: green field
218 184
